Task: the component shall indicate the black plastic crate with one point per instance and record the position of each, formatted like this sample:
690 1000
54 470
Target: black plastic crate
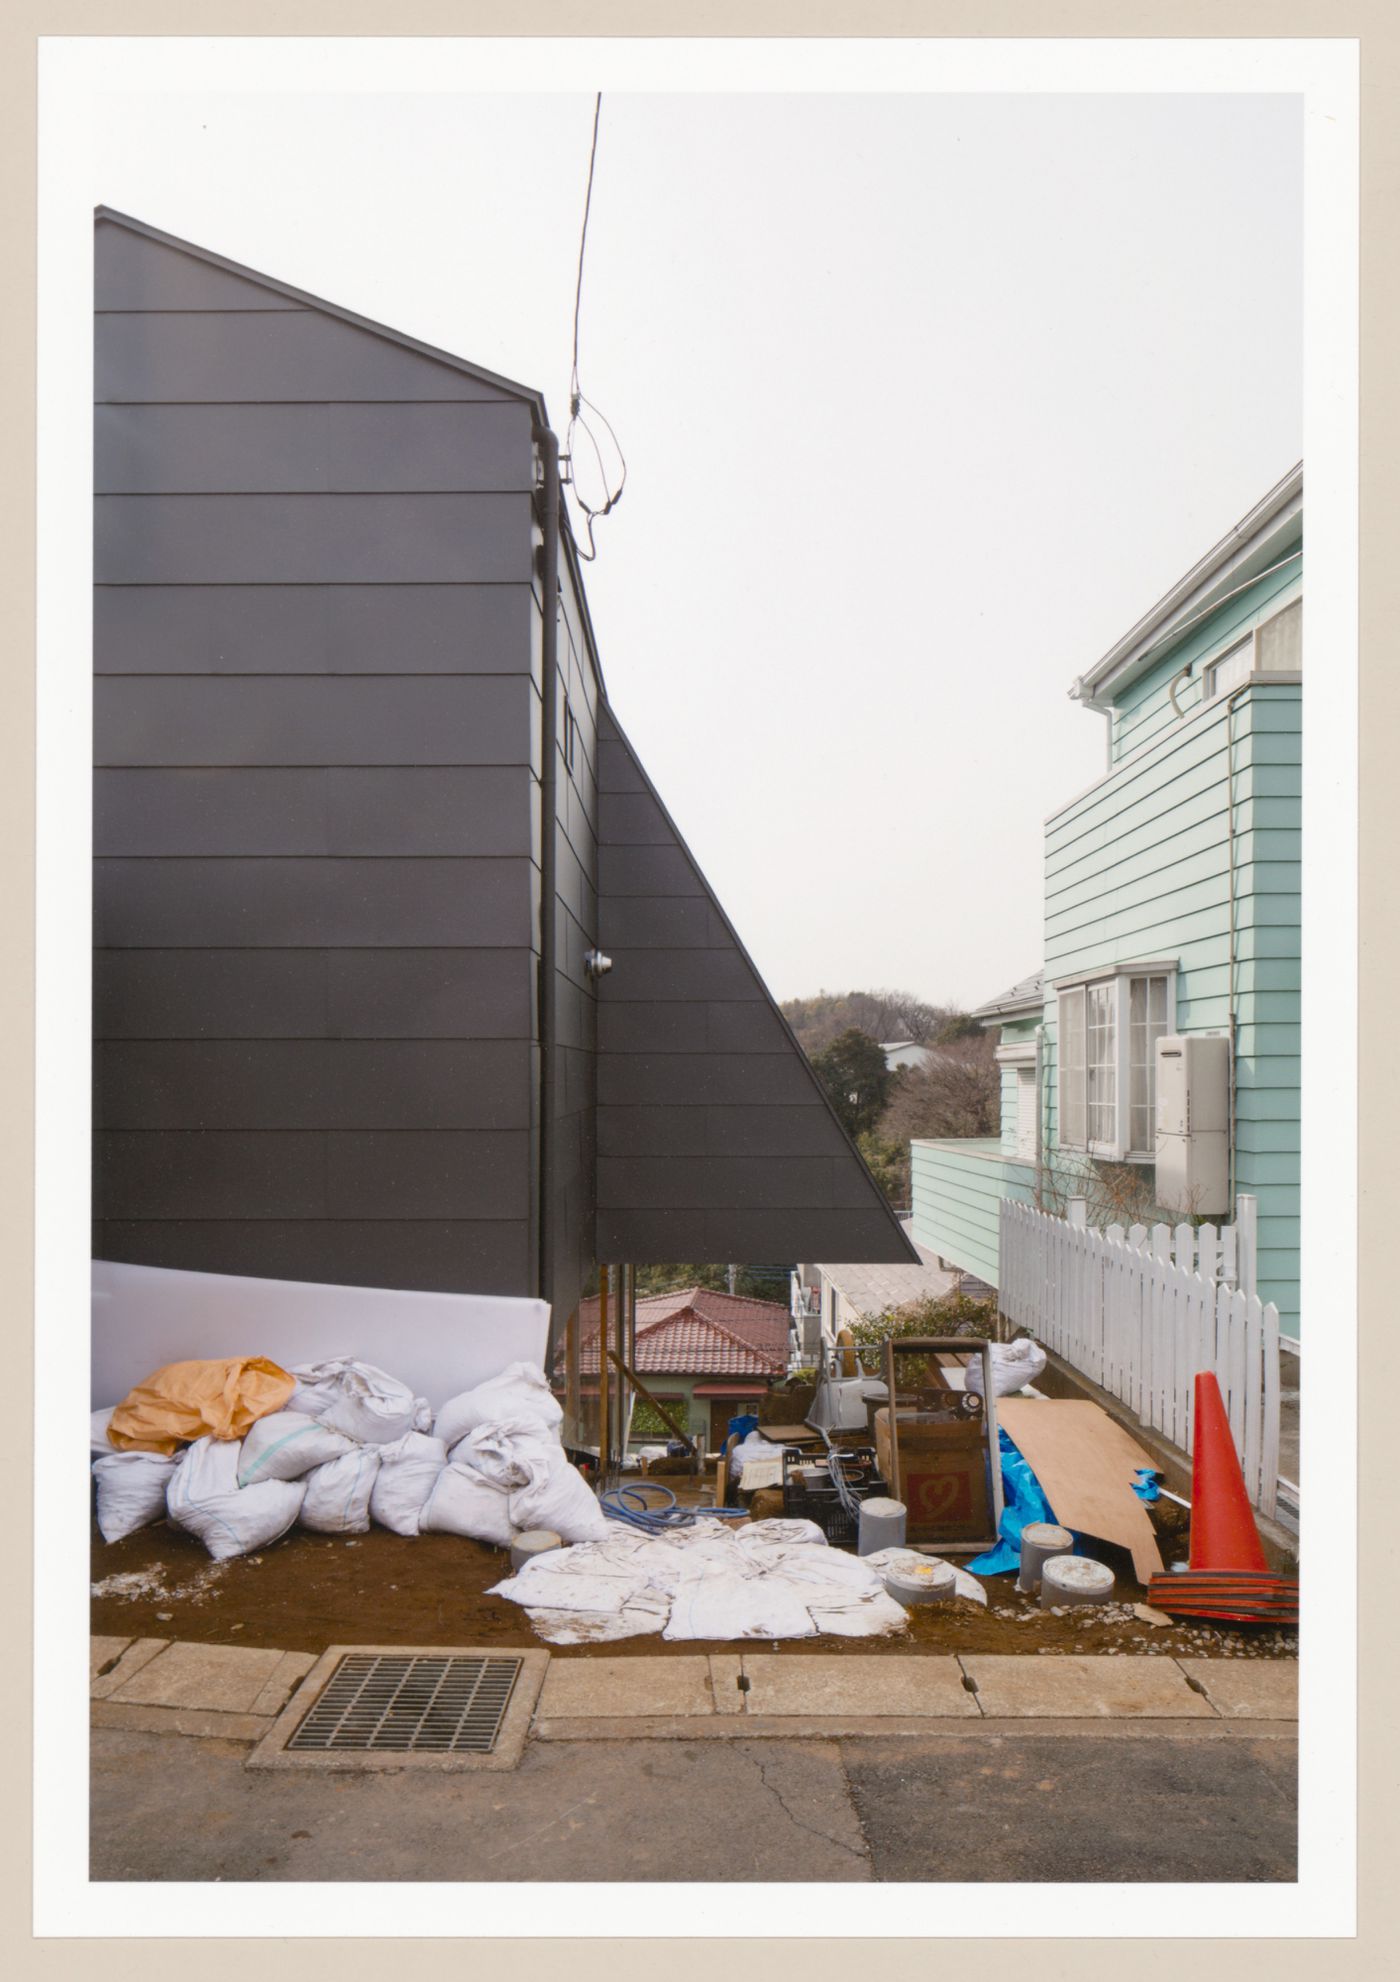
809 1492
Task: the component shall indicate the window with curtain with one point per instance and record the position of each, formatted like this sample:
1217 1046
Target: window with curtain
1109 1028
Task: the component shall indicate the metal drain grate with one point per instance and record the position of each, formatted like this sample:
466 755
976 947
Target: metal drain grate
382 1704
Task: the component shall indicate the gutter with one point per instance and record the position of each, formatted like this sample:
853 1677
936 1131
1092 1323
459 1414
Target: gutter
1280 508
548 444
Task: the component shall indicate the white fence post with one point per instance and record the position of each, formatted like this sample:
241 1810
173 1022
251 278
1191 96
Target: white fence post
1247 1229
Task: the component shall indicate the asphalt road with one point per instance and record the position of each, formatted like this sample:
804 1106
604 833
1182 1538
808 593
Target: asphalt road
1017 1806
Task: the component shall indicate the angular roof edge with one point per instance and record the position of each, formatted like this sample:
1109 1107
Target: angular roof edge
530 394
1240 556
1026 996
310 302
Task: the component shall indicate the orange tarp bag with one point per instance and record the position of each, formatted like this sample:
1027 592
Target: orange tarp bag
185 1401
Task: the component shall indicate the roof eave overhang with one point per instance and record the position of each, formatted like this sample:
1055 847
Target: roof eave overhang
533 398
1257 541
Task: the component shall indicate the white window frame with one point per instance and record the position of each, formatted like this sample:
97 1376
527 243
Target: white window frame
1253 672
1121 976
1020 1056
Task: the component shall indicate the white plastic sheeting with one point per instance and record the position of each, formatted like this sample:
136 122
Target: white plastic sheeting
772 1579
144 1316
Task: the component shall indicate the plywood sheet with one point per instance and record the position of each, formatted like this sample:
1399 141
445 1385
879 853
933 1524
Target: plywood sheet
1085 1462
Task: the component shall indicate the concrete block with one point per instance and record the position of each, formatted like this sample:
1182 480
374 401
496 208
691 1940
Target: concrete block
726 1670
809 1684
225 1679
587 1689
195 1722
133 1659
102 1651
1134 1687
281 1683
1248 1689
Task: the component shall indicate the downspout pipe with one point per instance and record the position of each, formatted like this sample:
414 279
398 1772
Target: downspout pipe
548 443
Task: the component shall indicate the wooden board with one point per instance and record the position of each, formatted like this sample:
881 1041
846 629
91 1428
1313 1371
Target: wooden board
1085 1462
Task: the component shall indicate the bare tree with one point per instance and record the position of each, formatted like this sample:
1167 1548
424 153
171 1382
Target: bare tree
957 1094
882 1015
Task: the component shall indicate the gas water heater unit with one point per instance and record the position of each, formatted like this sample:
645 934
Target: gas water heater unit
1193 1123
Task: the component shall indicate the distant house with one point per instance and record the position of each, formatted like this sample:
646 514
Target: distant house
829 1296
1172 906
707 1357
901 1053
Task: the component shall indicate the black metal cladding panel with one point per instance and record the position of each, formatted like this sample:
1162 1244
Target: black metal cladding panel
631 1080
313 994
300 904
717 1131
311 539
313 629
646 870
482 811
666 1026
150 720
687 976
654 1238
436 1255
133 272
265 356
158 450
404 1174
313 1084
617 773
693 1056
652 1183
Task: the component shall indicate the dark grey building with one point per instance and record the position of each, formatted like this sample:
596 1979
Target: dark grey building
363 813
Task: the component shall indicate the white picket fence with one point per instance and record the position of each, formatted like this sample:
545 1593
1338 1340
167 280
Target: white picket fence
1140 1311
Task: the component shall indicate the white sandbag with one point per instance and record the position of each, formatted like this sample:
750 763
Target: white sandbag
131 1491
98 1440
365 1403
1013 1364
204 1497
511 1453
286 1445
463 1503
408 1472
520 1391
338 1493
560 1498
754 1447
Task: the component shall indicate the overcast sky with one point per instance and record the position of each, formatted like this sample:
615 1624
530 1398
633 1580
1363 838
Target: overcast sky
925 400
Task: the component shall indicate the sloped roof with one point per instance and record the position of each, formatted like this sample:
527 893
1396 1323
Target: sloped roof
1026 996
310 302
695 1332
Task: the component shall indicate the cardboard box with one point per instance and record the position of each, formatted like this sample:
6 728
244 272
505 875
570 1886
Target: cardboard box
939 1470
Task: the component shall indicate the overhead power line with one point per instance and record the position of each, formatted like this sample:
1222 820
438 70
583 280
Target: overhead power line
579 424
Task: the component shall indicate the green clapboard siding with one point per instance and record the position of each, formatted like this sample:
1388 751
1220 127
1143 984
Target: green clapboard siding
958 1188
1138 868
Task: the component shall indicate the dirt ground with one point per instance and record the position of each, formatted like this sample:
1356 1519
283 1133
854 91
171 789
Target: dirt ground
308 1591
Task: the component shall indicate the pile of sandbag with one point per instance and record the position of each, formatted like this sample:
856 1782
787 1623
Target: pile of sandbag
334 1447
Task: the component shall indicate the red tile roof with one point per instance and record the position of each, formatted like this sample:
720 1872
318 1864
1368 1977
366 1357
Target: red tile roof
694 1332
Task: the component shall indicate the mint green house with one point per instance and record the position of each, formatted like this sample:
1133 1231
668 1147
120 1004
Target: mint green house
1171 908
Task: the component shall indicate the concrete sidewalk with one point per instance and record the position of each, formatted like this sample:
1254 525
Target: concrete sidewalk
672 1768
149 1685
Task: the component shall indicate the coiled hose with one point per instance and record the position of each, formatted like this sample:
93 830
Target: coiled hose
628 1504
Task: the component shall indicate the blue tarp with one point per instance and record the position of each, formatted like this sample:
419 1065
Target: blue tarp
1023 1500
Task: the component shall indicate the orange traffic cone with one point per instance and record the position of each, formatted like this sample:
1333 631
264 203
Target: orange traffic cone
1229 1575
1223 1534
